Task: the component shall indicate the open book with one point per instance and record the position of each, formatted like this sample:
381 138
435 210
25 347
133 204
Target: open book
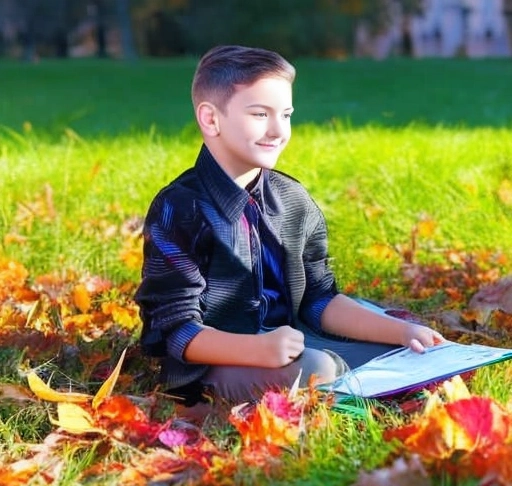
402 370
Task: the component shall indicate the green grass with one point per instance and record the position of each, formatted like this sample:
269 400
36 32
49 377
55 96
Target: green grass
85 145
105 97
373 183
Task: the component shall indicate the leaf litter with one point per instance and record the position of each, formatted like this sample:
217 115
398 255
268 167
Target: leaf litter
62 320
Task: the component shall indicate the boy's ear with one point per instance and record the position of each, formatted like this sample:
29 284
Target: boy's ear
206 114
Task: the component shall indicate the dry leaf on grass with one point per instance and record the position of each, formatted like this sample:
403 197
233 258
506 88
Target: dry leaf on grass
495 296
44 392
401 473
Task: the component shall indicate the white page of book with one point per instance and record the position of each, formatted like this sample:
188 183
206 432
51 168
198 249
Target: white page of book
403 369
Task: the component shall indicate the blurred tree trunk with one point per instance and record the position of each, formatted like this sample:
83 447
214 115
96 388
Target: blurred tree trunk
125 26
28 35
101 28
62 28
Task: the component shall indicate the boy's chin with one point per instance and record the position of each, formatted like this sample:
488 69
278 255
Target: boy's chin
267 163
268 166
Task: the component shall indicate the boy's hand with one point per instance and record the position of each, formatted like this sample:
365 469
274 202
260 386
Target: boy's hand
418 337
281 346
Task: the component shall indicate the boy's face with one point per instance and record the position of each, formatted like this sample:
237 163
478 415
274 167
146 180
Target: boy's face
255 126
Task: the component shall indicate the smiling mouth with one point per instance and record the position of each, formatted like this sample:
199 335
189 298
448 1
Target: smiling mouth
269 145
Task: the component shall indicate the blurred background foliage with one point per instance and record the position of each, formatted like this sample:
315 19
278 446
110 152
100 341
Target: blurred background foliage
30 29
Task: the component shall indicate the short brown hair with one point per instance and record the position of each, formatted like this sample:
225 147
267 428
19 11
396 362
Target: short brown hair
222 68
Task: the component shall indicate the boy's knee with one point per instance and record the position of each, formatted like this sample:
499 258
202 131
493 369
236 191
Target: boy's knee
325 365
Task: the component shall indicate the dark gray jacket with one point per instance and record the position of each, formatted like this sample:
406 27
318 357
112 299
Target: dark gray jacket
198 267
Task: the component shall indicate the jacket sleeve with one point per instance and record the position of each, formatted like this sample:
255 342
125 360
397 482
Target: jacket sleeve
172 283
320 282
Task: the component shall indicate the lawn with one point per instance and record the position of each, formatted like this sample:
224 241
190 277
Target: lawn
410 162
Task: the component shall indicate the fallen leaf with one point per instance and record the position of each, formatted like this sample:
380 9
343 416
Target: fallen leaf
426 227
120 409
505 192
81 298
380 251
401 473
44 392
160 463
495 296
483 420
108 386
20 476
19 393
75 419
274 420
457 431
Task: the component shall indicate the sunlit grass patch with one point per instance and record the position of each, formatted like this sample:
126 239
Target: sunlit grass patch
71 203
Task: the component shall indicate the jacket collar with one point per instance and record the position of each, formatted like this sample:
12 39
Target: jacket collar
228 196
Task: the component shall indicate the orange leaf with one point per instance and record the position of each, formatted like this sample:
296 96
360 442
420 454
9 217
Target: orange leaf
120 409
81 298
456 424
434 437
44 392
494 463
14 238
21 476
275 420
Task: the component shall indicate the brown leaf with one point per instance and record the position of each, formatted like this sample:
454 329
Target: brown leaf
401 473
8 391
495 296
158 464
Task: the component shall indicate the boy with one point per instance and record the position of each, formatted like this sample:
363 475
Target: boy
236 294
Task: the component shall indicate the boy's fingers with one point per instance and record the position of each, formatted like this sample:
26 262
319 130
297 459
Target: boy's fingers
416 346
438 339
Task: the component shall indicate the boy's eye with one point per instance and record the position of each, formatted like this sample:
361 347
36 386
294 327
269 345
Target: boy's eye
260 115
287 115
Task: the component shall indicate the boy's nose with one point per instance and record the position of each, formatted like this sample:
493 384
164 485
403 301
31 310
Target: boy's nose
278 127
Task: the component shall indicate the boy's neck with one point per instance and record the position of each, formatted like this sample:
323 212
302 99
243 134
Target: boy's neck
247 178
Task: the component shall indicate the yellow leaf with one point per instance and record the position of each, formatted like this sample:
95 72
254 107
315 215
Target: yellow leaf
81 298
379 251
107 387
426 228
455 389
505 192
373 212
34 312
44 392
74 419
127 316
